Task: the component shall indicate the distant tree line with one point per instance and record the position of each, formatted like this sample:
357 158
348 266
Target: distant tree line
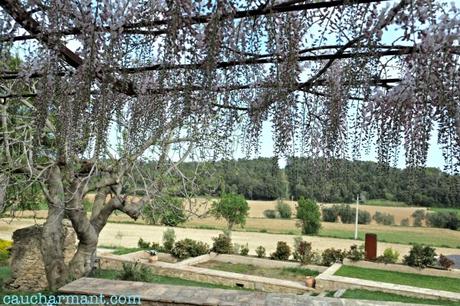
343 180
338 181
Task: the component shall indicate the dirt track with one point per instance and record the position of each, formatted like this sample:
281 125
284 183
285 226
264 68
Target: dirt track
128 234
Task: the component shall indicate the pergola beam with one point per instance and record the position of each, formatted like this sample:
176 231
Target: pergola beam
135 28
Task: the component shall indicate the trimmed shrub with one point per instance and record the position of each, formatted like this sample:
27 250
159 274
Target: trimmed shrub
389 256
309 215
283 251
443 219
222 244
189 248
135 272
419 215
405 222
330 214
244 251
331 256
356 253
169 237
284 210
420 256
302 251
445 262
143 244
270 213
260 251
384 218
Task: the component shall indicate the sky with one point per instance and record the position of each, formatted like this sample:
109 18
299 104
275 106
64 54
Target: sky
435 158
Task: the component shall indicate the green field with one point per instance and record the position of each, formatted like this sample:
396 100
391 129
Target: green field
409 279
441 209
296 274
393 235
383 202
390 297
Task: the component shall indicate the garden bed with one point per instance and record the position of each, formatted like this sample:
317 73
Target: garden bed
288 273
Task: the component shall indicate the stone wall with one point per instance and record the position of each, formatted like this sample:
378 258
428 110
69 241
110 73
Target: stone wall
27 269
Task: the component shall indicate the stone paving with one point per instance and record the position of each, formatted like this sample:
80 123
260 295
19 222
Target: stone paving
156 294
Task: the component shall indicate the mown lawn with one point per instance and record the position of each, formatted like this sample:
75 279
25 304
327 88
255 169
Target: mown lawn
393 234
390 297
294 273
409 279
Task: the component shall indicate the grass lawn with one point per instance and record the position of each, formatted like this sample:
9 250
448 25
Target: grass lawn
409 279
294 273
383 202
390 297
394 234
167 280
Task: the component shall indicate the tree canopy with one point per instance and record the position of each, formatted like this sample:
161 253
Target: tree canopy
103 86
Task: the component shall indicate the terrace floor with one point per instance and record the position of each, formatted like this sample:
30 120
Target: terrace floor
154 294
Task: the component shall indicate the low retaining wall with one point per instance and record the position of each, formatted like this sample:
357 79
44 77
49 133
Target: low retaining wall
455 273
108 261
328 281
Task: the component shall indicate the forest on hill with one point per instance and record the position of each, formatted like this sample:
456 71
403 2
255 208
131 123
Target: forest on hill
262 179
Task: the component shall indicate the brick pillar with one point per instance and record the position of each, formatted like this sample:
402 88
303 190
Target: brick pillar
370 246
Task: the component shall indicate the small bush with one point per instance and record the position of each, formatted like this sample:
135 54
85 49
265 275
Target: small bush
389 256
270 213
157 247
420 256
330 214
135 272
283 251
222 244
260 251
445 262
384 218
302 251
5 246
169 237
418 215
189 248
244 251
331 256
356 253
405 222
284 210
443 219
143 244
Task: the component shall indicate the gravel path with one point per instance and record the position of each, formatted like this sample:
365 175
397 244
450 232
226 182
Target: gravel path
119 234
